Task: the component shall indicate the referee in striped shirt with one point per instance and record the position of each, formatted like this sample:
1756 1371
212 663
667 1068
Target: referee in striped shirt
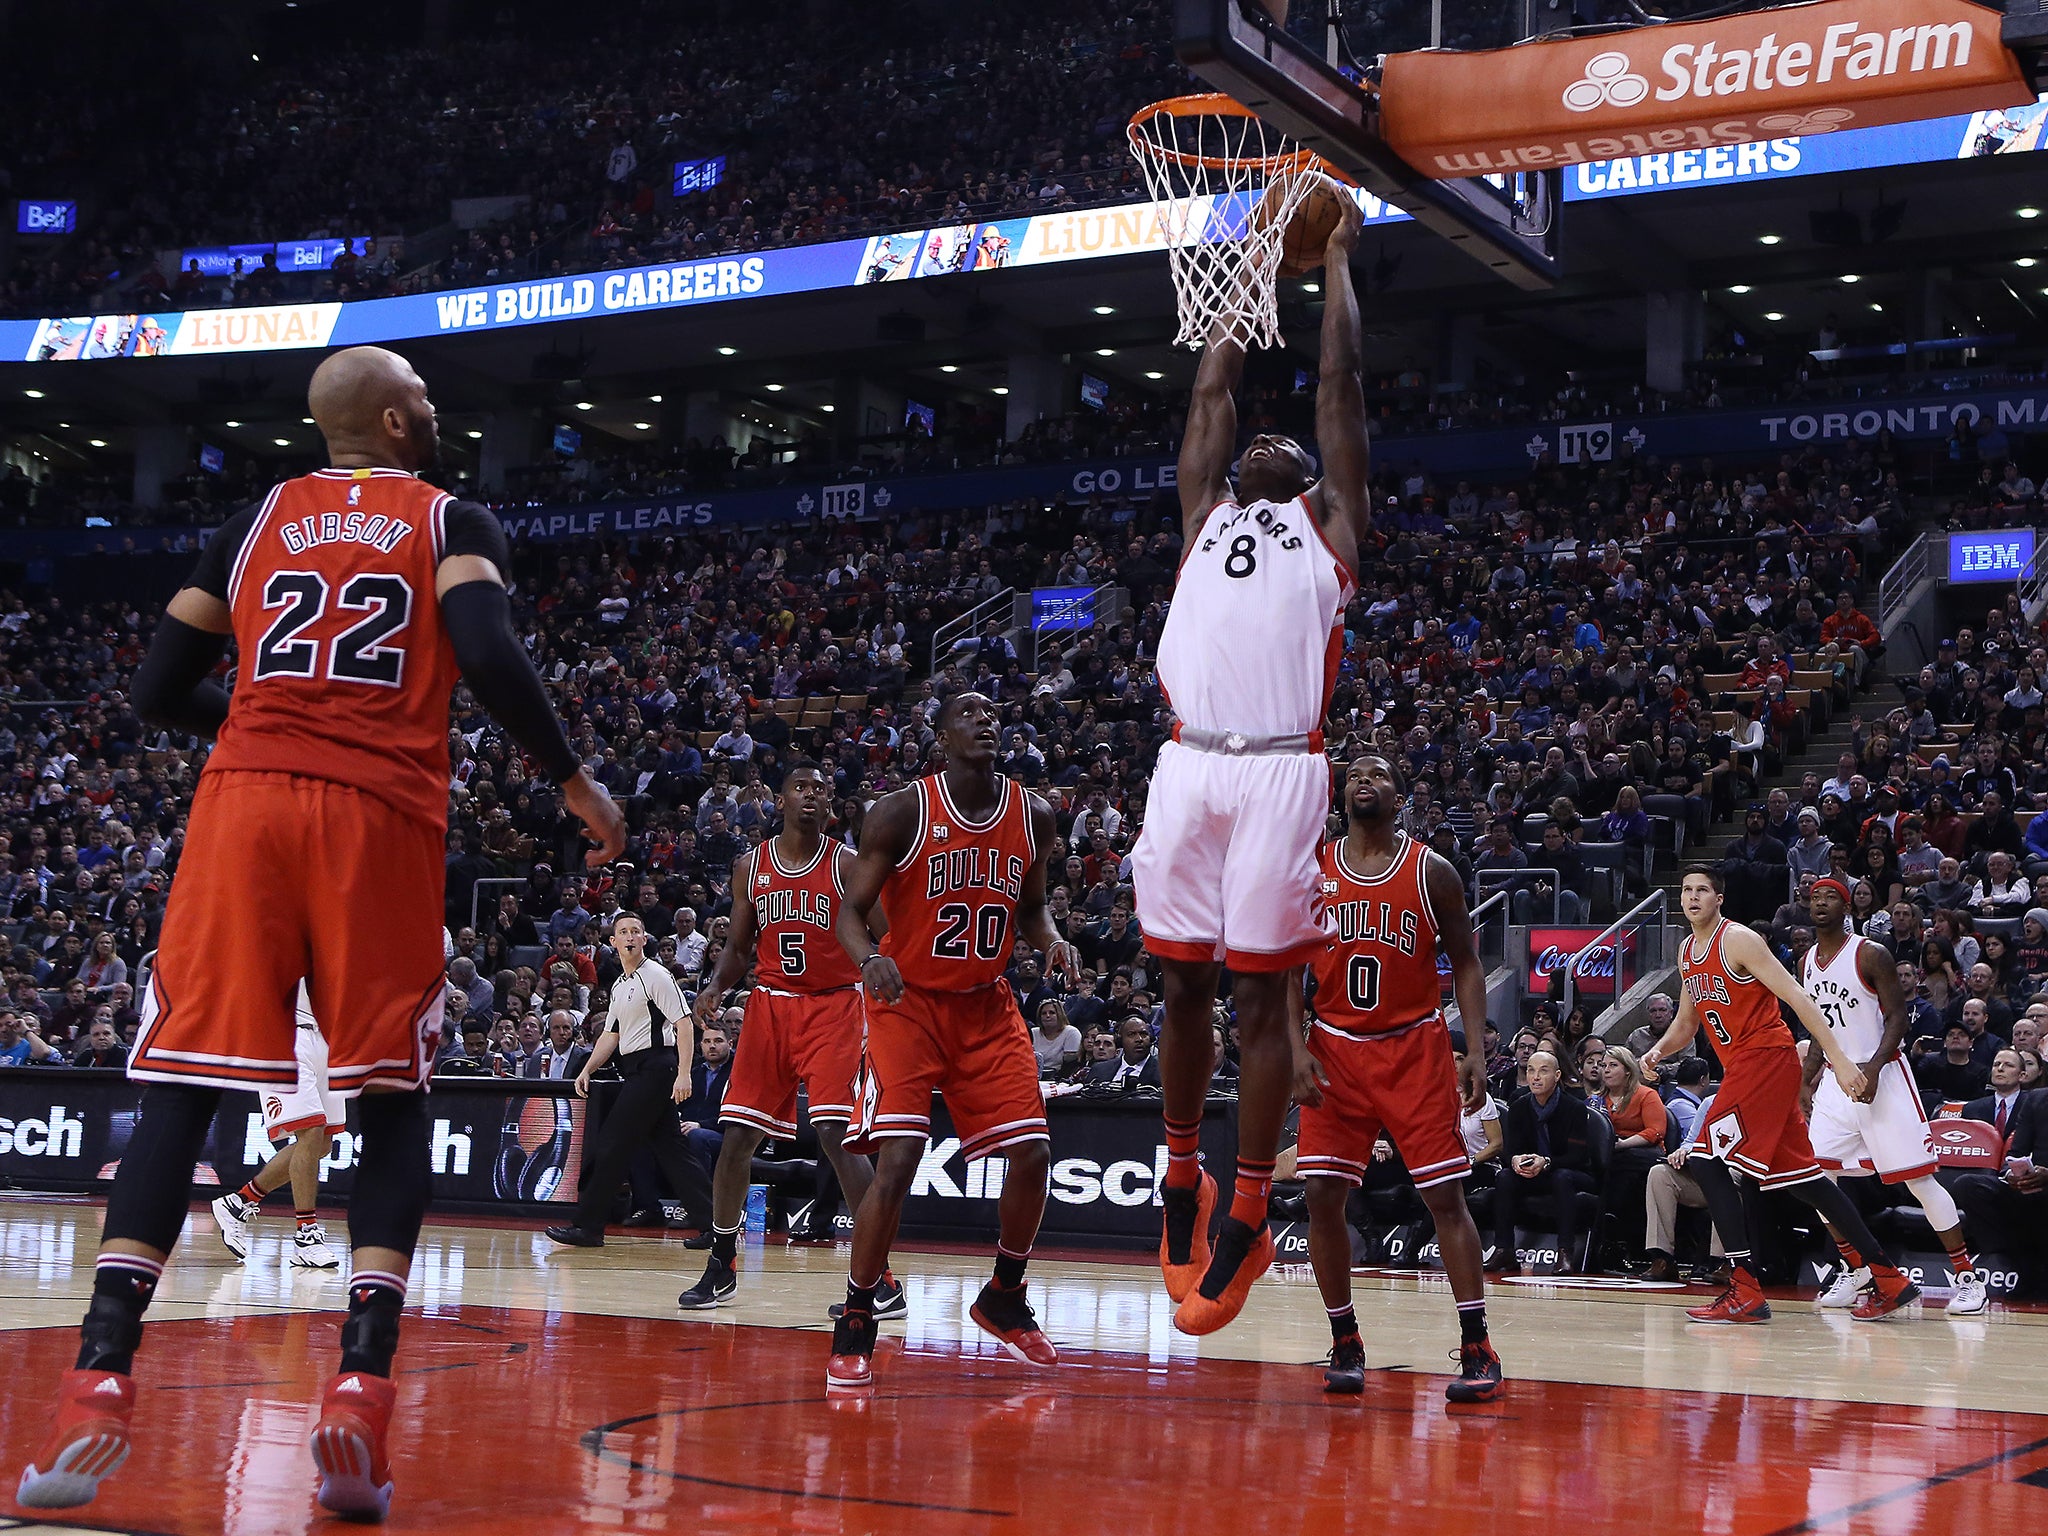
654 1057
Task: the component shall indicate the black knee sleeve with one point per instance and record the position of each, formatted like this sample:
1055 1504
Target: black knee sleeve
153 1185
394 1175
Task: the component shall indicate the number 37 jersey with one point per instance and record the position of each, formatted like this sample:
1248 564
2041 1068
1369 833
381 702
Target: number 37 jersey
1256 629
952 900
344 669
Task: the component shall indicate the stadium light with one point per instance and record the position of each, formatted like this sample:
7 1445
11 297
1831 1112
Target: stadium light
654 399
583 405
2028 213
1851 277
1105 309
305 421
1105 351
282 442
2024 261
1154 373
728 351
234 424
1311 287
1768 239
99 442
1002 389
773 389
949 367
828 409
642 426
474 434
1740 288
33 394
1774 314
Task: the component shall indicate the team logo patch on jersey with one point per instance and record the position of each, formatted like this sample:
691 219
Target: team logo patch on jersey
1329 887
762 880
941 832
355 495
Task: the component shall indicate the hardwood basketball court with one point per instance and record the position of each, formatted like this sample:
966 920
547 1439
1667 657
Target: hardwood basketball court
549 1389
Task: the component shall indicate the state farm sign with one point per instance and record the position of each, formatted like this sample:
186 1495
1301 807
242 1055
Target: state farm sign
1592 965
1786 72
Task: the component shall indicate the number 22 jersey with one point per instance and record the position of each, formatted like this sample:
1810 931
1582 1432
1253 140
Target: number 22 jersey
345 669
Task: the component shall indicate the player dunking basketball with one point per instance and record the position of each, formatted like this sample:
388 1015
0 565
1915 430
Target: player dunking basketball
1385 1055
957 862
803 1021
1226 866
1856 984
314 851
1733 984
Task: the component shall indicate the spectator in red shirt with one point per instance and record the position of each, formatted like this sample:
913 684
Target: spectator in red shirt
1850 626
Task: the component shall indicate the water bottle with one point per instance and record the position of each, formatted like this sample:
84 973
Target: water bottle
757 1211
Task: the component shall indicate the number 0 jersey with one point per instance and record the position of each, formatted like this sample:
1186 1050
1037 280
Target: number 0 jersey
1378 975
344 670
1738 1012
1256 629
794 910
952 900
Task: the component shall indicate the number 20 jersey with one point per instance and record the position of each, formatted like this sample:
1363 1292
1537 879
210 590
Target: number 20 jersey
952 900
1256 629
345 670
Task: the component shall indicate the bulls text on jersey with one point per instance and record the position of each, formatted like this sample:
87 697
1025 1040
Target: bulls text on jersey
1707 987
1368 922
799 906
973 869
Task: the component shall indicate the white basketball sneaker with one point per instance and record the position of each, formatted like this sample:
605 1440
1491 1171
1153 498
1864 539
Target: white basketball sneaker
232 1214
1969 1297
310 1250
1849 1284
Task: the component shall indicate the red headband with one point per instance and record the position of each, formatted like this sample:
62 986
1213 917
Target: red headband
1831 881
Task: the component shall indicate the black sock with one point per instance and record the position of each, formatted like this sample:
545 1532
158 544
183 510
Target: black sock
1724 1202
1343 1325
1833 1203
725 1246
369 1338
860 1298
122 1287
1010 1268
1471 1322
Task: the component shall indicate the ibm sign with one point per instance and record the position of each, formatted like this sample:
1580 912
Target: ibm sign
33 218
2003 556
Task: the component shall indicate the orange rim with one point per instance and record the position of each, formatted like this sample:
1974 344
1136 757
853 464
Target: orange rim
1213 104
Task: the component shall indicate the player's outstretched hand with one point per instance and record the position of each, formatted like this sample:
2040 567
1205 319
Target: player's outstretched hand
1064 960
602 820
1345 235
705 1008
1853 1084
1309 1077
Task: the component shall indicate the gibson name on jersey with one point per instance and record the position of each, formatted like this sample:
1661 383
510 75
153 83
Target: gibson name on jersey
1262 515
973 869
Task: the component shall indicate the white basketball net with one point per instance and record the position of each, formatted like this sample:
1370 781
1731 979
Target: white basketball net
1206 161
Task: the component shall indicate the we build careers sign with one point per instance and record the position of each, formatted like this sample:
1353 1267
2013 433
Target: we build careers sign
1791 71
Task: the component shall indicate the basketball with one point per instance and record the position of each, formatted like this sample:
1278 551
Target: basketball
1315 218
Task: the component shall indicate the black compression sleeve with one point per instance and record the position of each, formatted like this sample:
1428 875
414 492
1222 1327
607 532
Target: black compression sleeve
174 687
500 674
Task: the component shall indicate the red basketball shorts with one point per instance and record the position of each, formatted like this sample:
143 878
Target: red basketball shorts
971 1047
787 1038
1404 1083
1754 1124
285 878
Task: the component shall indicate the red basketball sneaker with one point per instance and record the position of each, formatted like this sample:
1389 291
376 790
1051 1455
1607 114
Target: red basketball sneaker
1887 1293
852 1366
1006 1317
87 1441
1742 1302
1185 1233
348 1445
1253 1253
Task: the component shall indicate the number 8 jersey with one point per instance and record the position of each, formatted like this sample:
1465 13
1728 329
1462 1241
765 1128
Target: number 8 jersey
952 900
345 669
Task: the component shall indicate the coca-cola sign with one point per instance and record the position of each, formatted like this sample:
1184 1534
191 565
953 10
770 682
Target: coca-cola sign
1593 965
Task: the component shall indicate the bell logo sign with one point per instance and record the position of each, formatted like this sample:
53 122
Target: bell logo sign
1737 79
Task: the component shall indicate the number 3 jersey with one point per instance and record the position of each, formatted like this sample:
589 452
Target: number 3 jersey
1256 629
1379 974
344 669
952 900
1737 1010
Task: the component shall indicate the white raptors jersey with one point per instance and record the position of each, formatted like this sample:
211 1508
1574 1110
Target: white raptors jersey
1256 628
1845 999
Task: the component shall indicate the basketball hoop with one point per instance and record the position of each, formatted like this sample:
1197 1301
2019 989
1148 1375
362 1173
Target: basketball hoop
1208 162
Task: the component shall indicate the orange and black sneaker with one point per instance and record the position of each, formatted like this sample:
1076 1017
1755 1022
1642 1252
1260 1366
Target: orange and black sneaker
1238 1259
1479 1376
1344 1371
852 1366
88 1440
1742 1302
348 1445
1887 1292
1006 1317
1184 1240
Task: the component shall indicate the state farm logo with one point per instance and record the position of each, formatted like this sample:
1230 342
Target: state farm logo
1608 82
1796 124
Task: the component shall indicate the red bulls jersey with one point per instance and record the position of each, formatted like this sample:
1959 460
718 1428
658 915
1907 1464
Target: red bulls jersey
345 668
952 901
1379 972
794 910
1737 1011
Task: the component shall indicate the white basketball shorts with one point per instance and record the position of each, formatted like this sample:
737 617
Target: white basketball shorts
1226 866
309 1101
1887 1136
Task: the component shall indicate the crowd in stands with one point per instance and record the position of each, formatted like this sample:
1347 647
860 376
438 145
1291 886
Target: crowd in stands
1595 658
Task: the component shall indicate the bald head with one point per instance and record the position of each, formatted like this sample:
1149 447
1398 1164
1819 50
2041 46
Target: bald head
373 410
